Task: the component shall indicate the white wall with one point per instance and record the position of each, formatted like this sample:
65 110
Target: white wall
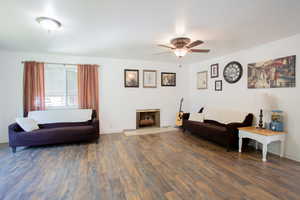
238 97
117 104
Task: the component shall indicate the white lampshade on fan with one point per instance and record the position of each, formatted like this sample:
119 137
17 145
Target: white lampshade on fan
180 52
49 23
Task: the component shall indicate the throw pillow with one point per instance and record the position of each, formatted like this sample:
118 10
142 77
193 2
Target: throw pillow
198 117
27 124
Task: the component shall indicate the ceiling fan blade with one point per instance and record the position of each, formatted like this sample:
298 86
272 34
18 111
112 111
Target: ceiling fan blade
195 43
200 50
161 53
166 46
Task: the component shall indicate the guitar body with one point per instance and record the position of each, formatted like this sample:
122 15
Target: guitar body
179 118
179 115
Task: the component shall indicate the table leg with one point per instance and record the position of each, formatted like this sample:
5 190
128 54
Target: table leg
256 145
281 148
240 144
264 152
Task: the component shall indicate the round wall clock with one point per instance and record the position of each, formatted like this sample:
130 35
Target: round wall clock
233 72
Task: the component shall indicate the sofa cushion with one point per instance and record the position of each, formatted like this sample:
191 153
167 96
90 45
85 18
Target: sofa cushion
27 124
198 117
60 116
224 116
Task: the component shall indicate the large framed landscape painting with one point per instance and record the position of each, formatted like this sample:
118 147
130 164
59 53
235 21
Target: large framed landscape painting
277 73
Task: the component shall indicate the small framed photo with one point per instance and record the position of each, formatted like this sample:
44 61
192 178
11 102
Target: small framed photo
168 79
202 80
149 79
218 85
131 78
214 71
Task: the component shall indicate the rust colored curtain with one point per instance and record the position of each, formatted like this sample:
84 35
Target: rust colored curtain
34 87
88 87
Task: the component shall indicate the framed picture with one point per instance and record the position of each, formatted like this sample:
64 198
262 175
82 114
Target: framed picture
131 78
214 71
202 80
168 79
218 85
149 79
277 73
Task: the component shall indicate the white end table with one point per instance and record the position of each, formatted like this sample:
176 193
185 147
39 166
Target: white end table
263 136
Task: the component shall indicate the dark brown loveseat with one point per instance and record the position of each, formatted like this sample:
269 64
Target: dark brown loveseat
223 134
54 133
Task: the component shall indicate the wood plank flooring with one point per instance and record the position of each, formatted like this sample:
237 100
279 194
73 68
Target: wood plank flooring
170 166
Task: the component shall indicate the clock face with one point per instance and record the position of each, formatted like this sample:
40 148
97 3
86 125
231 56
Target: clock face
233 72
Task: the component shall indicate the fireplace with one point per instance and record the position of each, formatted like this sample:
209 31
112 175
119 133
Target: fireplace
147 118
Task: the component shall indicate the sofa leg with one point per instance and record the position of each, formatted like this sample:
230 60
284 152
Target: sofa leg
14 149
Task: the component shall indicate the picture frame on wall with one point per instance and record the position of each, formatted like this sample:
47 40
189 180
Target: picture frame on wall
214 71
168 79
131 78
202 80
149 78
218 85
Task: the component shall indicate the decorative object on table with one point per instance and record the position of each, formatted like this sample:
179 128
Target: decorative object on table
218 85
179 114
149 79
233 72
276 120
275 73
131 78
202 80
168 79
214 71
263 102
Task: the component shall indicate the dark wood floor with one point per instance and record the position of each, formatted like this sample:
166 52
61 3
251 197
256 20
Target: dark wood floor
161 166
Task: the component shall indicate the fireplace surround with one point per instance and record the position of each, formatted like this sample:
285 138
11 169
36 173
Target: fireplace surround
147 118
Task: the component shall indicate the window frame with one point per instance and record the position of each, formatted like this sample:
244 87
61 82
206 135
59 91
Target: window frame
66 94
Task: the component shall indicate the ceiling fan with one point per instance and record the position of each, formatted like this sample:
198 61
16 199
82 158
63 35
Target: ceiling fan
183 45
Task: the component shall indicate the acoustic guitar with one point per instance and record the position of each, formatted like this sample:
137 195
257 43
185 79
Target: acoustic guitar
179 114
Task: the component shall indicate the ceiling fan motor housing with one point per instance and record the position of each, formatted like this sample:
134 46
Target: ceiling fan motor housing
180 42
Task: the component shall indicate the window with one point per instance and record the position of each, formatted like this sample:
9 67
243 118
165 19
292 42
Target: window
61 86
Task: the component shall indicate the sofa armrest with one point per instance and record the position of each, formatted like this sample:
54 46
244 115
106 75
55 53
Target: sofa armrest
186 116
95 124
13 131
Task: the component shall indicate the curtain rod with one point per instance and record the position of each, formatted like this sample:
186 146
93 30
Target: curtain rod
53 63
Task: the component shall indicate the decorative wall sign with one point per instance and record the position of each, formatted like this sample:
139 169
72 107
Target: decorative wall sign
275 73
149 79
168 79
131 78
214 71
233 72
202 80
218 85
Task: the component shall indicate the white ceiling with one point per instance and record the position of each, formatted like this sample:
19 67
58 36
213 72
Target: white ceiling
131 29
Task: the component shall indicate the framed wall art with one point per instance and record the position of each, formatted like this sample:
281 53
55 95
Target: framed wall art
277 73
131 78
202 80
168 79
214 71
149 79
218 85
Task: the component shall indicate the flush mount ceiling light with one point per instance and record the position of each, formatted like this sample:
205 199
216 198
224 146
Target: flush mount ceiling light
49 23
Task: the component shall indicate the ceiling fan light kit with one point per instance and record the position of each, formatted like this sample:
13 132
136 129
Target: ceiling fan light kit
49 24
183 45
180 52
